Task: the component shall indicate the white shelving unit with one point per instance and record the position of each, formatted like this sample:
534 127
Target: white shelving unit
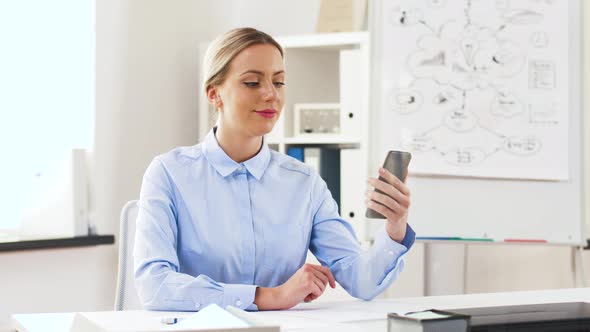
314 66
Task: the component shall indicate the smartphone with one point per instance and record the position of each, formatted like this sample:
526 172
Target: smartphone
397 163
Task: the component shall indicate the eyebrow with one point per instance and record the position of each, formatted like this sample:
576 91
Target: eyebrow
258 72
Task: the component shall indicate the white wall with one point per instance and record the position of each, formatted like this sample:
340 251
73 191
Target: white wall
55 280
146 102
280 17
514 267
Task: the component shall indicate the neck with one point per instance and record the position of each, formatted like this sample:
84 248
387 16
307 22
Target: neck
238 147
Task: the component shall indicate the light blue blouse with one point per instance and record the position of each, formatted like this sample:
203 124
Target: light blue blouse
210 230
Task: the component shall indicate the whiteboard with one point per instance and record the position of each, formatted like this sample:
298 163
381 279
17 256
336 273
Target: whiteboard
488 200
477 88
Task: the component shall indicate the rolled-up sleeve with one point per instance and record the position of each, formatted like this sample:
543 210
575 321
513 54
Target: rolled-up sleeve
363 274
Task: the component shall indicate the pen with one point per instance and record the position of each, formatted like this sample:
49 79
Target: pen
170 320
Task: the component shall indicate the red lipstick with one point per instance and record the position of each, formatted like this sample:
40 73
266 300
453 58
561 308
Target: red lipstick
267 113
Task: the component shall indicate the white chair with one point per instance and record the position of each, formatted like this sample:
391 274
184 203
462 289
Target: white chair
126 297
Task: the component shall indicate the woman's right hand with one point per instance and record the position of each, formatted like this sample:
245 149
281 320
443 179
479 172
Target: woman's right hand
307 284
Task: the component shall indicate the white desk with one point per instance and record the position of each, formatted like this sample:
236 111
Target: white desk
320 316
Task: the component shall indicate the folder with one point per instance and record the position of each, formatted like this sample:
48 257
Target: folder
325 161
350 93
295 152
352 188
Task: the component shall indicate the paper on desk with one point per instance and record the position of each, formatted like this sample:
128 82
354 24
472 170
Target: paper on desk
343 312
288 322
212 316
81 323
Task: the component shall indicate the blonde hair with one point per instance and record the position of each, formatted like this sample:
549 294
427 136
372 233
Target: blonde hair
224 49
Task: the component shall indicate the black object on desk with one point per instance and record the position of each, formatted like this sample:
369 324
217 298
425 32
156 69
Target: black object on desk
549 317
562 317
428 321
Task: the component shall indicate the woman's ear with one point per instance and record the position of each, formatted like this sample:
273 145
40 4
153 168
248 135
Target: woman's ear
213 97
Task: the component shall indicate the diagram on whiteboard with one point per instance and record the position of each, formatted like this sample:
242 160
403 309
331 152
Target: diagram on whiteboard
477 87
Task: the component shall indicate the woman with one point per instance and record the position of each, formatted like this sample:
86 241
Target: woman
229 221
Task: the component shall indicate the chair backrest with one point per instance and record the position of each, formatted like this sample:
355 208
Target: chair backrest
126 296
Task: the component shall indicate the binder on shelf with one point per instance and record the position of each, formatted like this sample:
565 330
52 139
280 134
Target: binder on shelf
326 162
352 188
330 171
311 156
350 92
295 152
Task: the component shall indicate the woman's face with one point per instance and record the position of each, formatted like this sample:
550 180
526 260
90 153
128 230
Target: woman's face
253 94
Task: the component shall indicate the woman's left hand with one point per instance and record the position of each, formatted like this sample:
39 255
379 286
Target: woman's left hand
395 203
